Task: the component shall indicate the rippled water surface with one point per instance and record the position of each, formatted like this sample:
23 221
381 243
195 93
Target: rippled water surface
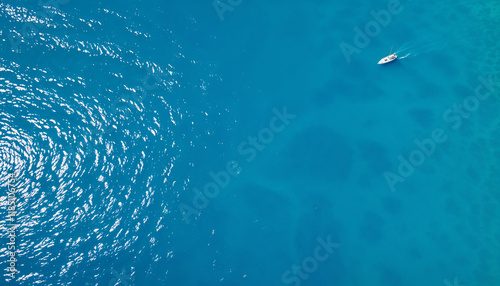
163 143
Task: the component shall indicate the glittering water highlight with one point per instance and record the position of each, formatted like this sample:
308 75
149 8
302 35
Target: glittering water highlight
115 114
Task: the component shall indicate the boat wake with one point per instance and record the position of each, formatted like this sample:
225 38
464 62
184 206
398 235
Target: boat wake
413 49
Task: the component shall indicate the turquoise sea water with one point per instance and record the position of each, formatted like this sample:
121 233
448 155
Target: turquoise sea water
166 143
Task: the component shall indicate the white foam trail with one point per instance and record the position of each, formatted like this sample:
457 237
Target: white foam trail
405 56
413 49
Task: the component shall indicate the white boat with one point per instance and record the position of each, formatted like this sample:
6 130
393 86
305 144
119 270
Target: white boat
388 59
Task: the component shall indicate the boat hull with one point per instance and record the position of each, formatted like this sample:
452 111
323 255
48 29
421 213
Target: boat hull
387 60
